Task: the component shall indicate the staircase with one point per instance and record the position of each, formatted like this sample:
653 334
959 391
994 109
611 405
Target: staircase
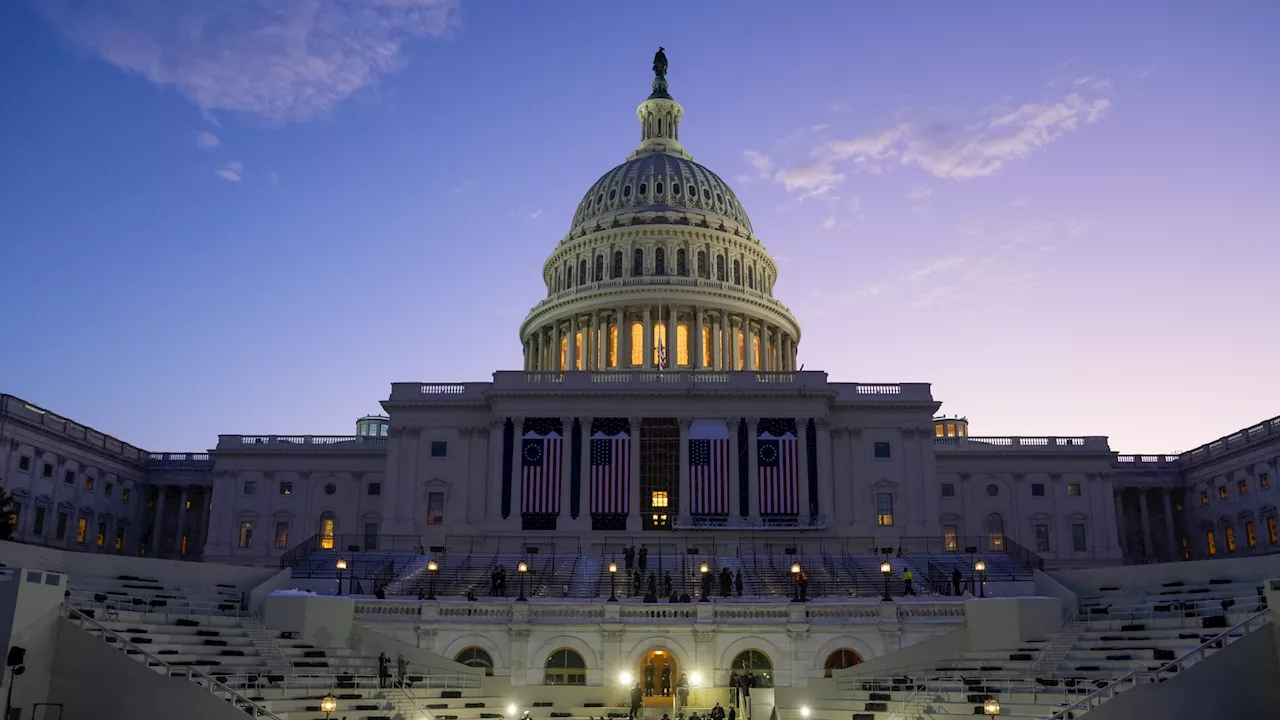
1059 646
586 578
268 647
407 706
913 706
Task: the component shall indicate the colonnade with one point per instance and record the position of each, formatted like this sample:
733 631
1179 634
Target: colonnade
692 337
1163 535
192 521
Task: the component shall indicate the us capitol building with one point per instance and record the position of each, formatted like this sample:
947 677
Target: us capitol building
659 404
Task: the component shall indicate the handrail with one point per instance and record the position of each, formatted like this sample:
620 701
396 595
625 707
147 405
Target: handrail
213 684
1131 677
1148 611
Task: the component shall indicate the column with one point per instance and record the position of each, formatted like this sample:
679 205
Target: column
686 498
826 470
157 527
206 517
566 469
595 341
698 350
571 347
765 349
735 354
1174 550
584 491
624 339
1146 525
493 485
183 499
673 338
602 343
735 491
753 470
802 440
726 354
516 450
748 346
633 491
555 347
646 352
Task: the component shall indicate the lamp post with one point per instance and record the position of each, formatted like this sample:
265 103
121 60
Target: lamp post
981 568
613 582
886 569
705 595
991 707
795 582
523 568
432 567
328 704
14 663
342 565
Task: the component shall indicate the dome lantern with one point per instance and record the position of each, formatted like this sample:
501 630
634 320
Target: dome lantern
660 116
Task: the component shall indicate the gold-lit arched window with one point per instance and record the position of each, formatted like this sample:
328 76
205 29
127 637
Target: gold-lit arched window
757 664
706 346
682 344
327 528
613 346
564 353
578 362
565 667
839 660
660 338
755 352
637 344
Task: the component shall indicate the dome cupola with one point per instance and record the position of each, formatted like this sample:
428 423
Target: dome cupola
660 268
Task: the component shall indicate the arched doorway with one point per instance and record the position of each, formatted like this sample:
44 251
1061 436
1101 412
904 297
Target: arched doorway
658 675
839 660
754 664
995 532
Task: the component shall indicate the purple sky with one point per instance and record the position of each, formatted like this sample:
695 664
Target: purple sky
218 219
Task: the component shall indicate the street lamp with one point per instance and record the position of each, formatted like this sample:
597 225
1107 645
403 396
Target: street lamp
432 567
804 711
795 582
981 568
328 704
705 595
991 707
342 565
885 570
523 568
613 582
624 679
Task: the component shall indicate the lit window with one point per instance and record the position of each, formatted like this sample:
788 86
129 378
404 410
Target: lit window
326 533
440 448
101 539
882 451
637 344
246 533
1204 497
1042 538
1079 540
1244 487
949 538
88 484
124 495
884 509
938 431
1231 538
951 429
1073 489
119 544
1250 537
1211 542
435 508
682 344
82 529
286 488
1264 480
1222 492
282 534
659 499
250 487
659 340
1273 531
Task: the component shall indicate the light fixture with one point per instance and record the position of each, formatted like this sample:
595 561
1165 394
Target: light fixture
342 564
804 711
432 566
695 678
511 709
704 569
328 704
885 567
657 653
523 566
613 567
795 568
624 678
991 707
980 566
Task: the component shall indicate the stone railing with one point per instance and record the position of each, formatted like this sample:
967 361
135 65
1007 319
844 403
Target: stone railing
278 443
1048 445
196 461
568 612
24 411
1136 462
681 281
1234 441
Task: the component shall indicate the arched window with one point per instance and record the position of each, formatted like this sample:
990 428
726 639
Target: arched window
751 277
582 272
637 263
659 262
568 276
737 272
327 530
995 532
565 667
637 344
839 660
706 345
613 346
682 344
702 264
720 268
755 663
599 268
682 263
477 658
617 263
556 281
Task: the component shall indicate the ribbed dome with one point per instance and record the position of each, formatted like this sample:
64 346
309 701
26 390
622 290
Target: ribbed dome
655 182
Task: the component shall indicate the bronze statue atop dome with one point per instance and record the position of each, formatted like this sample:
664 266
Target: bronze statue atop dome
660 63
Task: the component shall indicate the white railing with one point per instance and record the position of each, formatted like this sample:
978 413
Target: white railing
1067 637
1132 679
336 679
176 607
1187 612
193 675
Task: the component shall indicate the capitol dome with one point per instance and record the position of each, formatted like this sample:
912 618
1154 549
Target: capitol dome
660 269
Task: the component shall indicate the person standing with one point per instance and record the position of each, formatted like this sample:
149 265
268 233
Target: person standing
666 681
682 690
629 557
648 679
907 581
737 581
636 695
956 577
644 558
402 669
384 670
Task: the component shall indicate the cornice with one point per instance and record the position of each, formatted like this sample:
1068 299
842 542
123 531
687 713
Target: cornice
12 419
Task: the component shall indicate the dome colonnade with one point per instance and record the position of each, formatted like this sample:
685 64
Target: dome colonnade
660 268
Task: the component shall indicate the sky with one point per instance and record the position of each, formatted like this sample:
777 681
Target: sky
252 217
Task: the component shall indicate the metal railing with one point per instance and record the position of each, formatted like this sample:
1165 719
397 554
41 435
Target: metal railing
1221 640
1188 612
339 680
176 607
193 675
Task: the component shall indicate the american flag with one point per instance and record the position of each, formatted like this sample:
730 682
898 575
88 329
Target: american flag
709 476
540 463
779 474
662 356
610 473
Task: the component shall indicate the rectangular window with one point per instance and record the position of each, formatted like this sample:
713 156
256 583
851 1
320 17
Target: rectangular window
884 509
1244 487
1222 492
375 488
286 488
101 539
1204 497
88 484
82 530
1186 547
659 499
61 529
250 487
950 542
246 533
282 534
24 464
1273 530
1264 480
1230 534
1073 489
1037 489
948 490
371 536
435 508
1211 542
48 471
882 451
107 489
119 539
1250 537
124 495
15 515
38 526
439 448
69 477
1079 540
1042 538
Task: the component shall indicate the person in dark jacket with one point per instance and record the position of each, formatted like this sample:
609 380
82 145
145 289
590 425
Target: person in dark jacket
956 577
666 681
636 700
667 584
737 582
648 679
644 558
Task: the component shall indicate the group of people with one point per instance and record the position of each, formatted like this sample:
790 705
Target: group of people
498 582
384 671
729 583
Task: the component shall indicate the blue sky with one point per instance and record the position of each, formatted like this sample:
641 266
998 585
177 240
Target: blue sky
252 217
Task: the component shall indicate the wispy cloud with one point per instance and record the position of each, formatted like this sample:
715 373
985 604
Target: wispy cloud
231 171
918 193
283 60
761 164
465 187
829 223
809 181
274 178
535 214
207 140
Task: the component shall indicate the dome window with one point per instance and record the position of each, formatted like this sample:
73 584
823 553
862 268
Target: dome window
659 262
599 268
599 198
751 277
675 189
643 189
617 263
682 263
737 272
657 188
702 264
637 263
626 191
720 268
613 194
719 199
706 194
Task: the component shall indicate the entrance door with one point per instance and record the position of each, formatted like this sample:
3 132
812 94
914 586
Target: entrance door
658 675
